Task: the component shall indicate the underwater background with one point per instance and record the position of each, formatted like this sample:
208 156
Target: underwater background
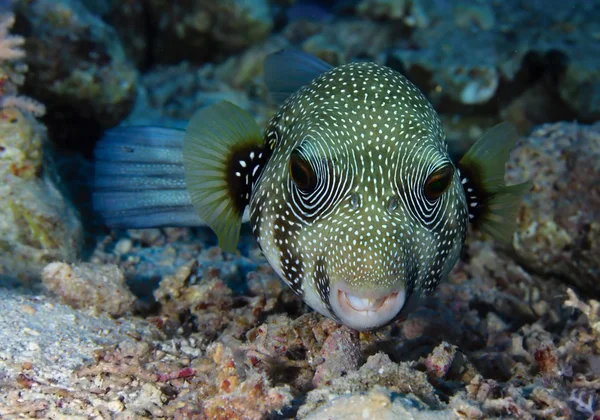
160 323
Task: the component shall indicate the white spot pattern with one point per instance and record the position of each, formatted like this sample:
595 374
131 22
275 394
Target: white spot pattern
372 139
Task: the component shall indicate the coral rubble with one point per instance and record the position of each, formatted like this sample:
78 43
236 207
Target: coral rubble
100 289
559 232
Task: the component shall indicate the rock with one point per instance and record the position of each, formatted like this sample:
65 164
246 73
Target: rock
559 228
465 51
438 363
101 289
342 41
237 397
178 91
378 371
579 86
37 224
169 95
129 19
341 354
208 299
196 30
378 403
77 67
412 13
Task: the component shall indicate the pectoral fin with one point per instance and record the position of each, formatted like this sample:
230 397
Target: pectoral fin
493 205
223 155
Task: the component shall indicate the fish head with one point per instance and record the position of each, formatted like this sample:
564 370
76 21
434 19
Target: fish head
360 209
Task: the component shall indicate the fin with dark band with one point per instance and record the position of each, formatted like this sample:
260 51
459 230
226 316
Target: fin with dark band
139 180
288 70
223 155
493 205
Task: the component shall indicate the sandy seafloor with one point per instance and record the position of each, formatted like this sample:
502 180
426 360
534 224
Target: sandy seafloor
159 323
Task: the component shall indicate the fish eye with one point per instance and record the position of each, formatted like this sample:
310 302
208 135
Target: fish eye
438 182
302 172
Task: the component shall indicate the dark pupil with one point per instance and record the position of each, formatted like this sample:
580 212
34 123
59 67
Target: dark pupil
438 186
438 183
302 173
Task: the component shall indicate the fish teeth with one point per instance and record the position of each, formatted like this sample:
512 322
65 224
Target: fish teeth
364 304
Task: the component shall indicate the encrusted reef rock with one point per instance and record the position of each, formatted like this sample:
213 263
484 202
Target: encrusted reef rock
559 231
100 289
488 53
195 30
77 66
412 13
378 372
170 94
379 403
342 41
37 224
167 32
129 19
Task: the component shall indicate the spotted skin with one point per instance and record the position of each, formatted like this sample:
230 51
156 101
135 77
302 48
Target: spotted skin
372 140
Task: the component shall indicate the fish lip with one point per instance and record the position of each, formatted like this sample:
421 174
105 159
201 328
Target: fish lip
352 309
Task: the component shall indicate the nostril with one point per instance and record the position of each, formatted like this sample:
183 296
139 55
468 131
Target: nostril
393 204
355 201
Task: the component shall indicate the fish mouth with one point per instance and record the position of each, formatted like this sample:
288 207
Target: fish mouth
365 311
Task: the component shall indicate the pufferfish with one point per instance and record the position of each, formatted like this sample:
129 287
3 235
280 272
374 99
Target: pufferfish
350 190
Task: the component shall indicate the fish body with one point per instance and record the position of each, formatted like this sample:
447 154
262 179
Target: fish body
365 234
350 190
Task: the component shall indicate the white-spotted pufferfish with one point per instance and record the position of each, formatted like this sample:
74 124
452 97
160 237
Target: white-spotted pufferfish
350 190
